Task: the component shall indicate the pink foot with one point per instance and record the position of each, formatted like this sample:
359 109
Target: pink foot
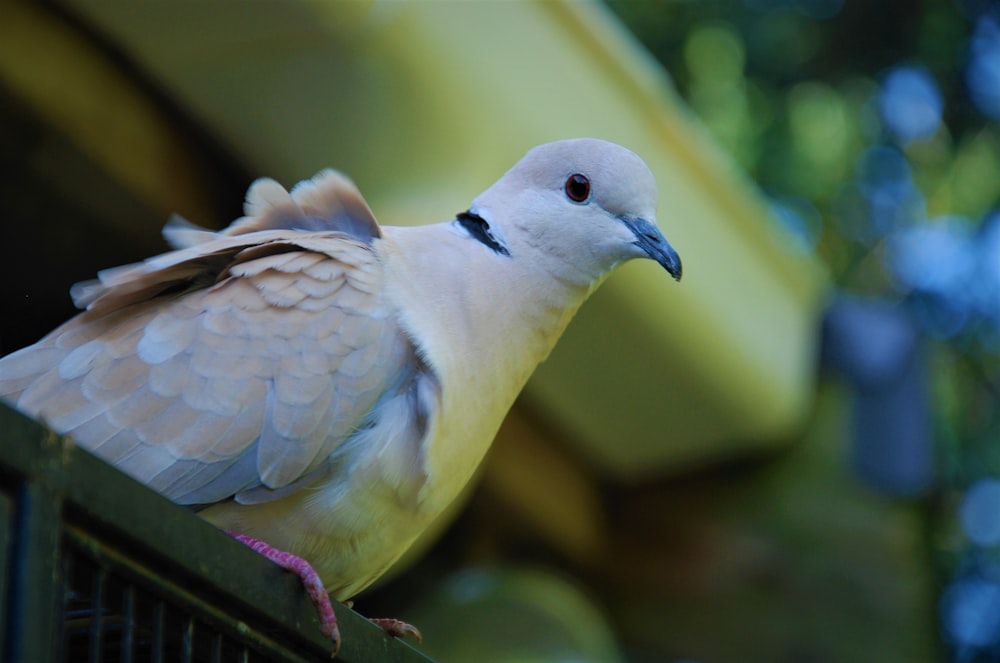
310 580
398 629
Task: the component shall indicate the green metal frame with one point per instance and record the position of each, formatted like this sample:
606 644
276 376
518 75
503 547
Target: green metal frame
95 566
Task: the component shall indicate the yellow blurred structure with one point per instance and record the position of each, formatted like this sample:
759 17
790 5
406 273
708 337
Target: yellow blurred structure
424 104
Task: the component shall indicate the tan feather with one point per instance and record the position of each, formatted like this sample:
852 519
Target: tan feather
161 381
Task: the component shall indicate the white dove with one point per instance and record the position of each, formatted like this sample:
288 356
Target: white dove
308 379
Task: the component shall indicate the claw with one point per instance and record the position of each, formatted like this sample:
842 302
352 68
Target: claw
397 628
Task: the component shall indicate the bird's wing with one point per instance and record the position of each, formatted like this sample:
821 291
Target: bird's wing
329 201
238 362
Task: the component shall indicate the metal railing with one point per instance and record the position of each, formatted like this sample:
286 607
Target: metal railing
96 567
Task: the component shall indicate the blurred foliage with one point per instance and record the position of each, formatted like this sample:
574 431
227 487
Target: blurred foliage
795 90
873 129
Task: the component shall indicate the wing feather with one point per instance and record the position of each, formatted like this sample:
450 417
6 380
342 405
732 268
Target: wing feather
236 364
142 405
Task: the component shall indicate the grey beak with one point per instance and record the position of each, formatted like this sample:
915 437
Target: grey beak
649 238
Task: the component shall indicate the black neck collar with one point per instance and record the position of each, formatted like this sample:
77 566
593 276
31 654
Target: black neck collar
479 228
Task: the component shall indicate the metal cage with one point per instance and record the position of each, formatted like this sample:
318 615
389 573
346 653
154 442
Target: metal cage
96 567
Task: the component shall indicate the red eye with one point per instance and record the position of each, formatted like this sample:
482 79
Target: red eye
577 188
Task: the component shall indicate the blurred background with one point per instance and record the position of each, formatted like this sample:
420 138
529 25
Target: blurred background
789 457
872 130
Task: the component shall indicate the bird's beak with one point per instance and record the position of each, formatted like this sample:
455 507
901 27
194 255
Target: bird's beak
649 238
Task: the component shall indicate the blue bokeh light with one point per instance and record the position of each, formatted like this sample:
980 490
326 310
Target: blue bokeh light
987 243
938 263
970 612
979 512
982 74
910 103
936 258
882 198
952 268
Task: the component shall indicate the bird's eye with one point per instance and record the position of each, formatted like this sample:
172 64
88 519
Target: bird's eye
578 188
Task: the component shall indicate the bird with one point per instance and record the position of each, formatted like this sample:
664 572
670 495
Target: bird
323 387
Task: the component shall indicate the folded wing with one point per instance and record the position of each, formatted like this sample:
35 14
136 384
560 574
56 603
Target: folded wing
237 363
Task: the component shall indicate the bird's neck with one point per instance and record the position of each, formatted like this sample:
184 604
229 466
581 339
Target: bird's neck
482 321
499 316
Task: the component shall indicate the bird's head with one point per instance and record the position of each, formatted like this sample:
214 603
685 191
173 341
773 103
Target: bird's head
587 203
